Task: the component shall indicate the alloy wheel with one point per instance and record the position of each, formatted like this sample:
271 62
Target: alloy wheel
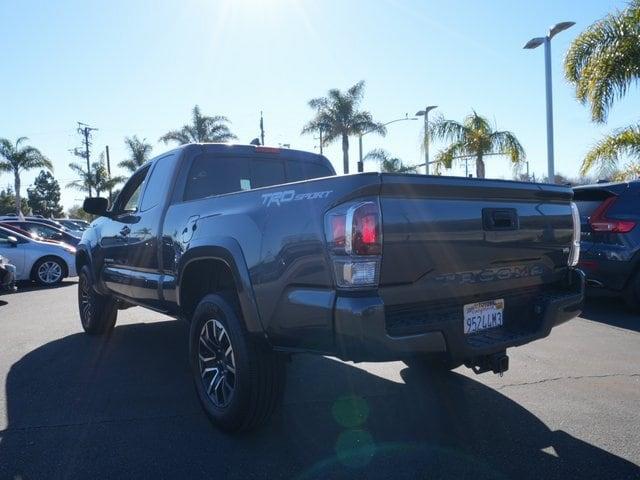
217 363
49 272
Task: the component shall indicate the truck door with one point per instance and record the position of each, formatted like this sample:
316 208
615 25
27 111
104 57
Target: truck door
145 270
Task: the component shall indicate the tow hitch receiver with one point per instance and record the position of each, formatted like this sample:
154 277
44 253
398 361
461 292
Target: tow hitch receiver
496 362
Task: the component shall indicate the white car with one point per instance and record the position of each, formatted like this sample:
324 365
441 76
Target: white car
44 262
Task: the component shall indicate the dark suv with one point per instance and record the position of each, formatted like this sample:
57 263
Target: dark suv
610 240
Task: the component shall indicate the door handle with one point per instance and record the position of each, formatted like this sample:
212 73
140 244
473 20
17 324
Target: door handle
125 231
500 219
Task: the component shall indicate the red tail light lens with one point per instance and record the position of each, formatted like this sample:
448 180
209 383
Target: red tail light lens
365 230
600 223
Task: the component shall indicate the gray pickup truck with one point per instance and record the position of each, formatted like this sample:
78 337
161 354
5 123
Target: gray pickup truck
267 253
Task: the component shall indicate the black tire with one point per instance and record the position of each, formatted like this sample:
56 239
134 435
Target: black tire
238 391
49 271
632 292
98 313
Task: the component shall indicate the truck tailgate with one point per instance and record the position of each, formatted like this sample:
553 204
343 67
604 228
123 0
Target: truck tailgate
454 239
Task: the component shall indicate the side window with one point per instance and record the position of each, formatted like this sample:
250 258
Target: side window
297 170
129 197
211 175
4 239
159 181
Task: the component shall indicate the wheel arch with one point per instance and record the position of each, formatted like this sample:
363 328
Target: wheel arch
63 262
222 259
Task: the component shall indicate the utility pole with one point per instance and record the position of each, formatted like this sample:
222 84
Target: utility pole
85 130
261 128
109 172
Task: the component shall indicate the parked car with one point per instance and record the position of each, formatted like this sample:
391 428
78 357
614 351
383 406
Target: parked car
43 262
610 240
7 275
75 227
43 230
30 234
267 253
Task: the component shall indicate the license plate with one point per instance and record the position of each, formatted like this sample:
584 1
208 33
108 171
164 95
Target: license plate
483 315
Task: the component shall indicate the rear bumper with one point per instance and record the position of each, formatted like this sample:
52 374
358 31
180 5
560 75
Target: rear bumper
364 328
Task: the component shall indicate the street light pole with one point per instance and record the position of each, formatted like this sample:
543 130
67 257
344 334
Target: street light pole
360 162
534 43
425 113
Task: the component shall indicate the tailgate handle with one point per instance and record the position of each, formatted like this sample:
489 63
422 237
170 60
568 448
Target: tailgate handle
500 219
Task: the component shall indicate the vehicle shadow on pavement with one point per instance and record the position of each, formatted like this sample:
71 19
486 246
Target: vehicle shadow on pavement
87 407
611 311
26 286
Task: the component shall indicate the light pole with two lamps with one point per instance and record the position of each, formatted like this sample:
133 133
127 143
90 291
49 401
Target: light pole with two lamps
360 163
535 43
425 113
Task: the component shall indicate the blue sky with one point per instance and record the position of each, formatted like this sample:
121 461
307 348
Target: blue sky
138 67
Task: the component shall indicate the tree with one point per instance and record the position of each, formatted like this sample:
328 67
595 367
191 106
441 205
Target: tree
474 137
44 196
338 117
18 157
77 212
388 163
602 63
139 151
97 179
8 202
203 129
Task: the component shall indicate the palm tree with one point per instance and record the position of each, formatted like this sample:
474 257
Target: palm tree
603 62
17 157
388 163
476 138
338 116
97 179
139 151
203 129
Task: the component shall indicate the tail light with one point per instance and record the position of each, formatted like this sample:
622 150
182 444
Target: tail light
600 223
354 239
574 252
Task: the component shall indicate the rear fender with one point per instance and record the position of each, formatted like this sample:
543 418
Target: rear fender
227 250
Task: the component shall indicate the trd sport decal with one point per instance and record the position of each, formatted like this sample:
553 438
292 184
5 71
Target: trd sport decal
285 196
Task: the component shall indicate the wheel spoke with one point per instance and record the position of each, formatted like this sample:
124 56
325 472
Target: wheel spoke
216 363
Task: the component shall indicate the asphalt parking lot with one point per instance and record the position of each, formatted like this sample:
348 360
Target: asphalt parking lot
80 407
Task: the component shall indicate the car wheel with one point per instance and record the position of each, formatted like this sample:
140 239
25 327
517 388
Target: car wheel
48 271
239 381
98 313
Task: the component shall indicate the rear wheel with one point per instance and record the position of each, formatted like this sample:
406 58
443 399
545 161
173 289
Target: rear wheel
48 271
239 381
98 313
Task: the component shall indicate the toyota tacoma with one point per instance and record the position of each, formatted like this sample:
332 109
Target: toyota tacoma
267 253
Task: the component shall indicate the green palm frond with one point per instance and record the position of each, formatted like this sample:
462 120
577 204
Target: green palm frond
606 153
139 153
388 163
604 60
203 129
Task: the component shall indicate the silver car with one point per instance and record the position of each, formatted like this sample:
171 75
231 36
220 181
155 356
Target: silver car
46 263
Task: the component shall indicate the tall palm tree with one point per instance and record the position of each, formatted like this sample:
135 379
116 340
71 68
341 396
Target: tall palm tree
602 63
97 179
388 163
17 157
139 151
338 116
476 138
203 129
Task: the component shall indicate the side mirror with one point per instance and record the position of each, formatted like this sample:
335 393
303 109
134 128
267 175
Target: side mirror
96 206
13 241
